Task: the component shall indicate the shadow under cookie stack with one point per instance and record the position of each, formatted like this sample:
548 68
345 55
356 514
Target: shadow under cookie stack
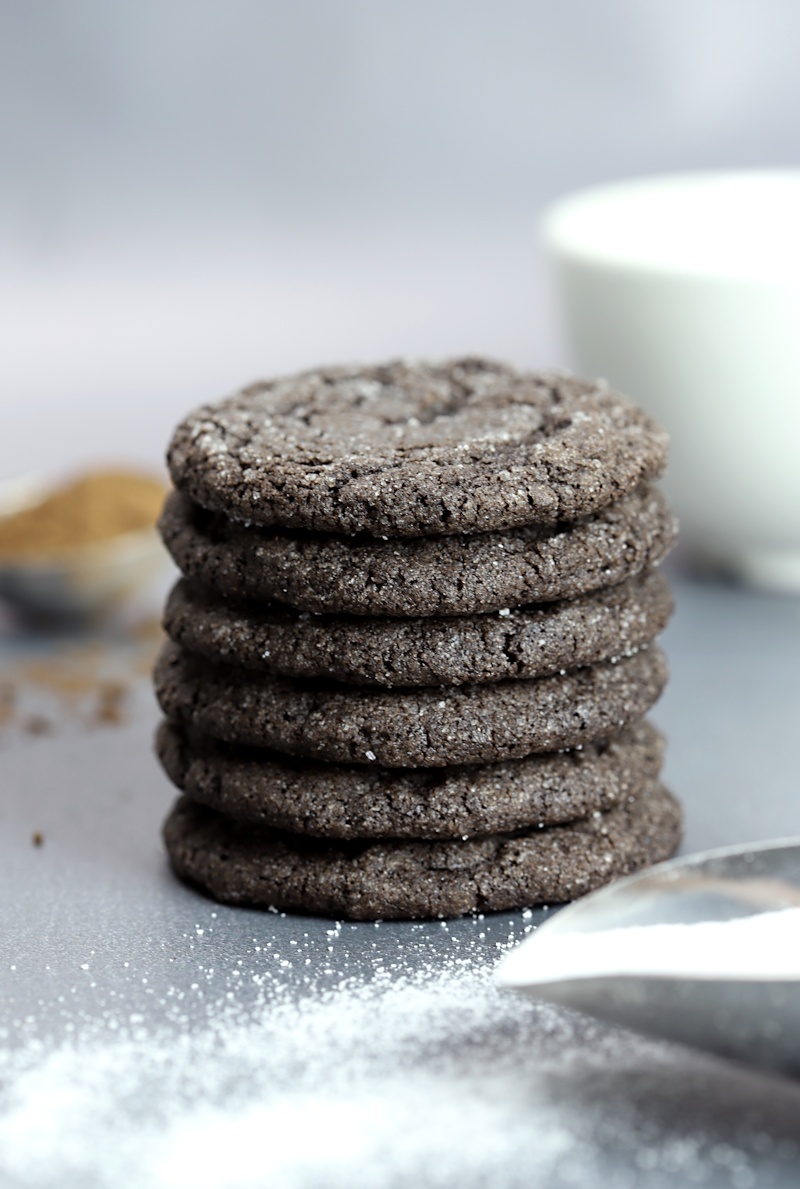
412 648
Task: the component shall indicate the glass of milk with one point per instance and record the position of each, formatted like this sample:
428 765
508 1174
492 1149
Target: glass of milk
684 293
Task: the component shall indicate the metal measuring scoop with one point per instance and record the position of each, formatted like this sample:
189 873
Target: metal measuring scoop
718 1001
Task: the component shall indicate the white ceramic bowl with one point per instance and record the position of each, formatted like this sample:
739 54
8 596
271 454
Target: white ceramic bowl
684 293
86 580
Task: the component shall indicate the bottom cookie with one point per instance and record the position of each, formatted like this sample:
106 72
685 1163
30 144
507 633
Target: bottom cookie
242 864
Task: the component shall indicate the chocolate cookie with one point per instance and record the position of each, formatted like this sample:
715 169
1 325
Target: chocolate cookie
346 801
242 864
452 650
411 449
458 575
466 724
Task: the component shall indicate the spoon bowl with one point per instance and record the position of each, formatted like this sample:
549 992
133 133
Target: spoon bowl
702 950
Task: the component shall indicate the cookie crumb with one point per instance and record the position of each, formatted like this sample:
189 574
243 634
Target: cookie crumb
38 838
110 703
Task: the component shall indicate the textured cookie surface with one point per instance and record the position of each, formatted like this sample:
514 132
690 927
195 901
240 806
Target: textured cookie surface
410 449
241 864
466 724
458 575
346 801
449 650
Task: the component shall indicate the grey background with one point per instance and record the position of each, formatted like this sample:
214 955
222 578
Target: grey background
121 115
194 193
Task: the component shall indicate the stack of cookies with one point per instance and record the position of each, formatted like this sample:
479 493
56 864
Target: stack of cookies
412 648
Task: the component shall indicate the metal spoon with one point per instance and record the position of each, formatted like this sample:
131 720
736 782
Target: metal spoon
724 1005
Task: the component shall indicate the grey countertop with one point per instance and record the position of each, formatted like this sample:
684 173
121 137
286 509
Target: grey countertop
151 1037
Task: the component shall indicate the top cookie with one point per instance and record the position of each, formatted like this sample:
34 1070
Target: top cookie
415 449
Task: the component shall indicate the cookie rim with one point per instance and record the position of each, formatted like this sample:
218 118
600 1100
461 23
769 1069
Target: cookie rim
323 573
425 727
300 797
655 836
615 447
389 652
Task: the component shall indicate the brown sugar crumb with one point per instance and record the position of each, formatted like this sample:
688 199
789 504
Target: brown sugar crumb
149 636
37 724
94 507
38 838
8 698
68 675
110 703
89 683
148 630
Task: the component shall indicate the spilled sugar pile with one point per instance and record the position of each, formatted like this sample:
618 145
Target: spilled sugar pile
432 1079
317 1092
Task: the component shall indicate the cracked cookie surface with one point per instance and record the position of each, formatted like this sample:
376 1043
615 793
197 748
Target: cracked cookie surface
459 575
349 801
448 650
466 724
409 449
242 864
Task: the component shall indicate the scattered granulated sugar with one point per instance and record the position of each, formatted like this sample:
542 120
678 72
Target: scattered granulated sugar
430 1079
364 1087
